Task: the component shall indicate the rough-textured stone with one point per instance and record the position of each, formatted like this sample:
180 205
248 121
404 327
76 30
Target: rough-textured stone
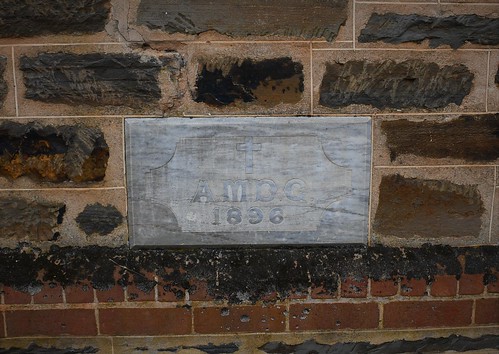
410 207
94 79
36 221
52 153
387 84
472 138
244 274
297 18
496 78
267 82
99 219
452 30
33 348
27 18
3 85
434 345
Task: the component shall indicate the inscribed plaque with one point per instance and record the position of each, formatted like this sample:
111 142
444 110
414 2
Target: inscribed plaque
242 181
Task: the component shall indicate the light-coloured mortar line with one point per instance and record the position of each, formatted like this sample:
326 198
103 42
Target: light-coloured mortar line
61 44
458 296
64 301
311 79
431 166
156 290
404 49
381 310
487 83
84 116
75 189
473 312
354 40
112 344
14 79
97 320
369 210
4 319
492 204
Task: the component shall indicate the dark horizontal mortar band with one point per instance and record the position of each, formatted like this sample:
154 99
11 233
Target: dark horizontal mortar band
254 272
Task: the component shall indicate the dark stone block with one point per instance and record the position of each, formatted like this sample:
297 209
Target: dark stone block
387 84
36 220
52 153
28 18
434 345
3 85
496 79
296 18
472 138
99 219
452 30
94 79
267 82
411 207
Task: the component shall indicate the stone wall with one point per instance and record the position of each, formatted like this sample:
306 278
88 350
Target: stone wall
71 72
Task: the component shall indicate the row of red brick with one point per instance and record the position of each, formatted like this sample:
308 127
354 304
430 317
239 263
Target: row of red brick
441 286
251 318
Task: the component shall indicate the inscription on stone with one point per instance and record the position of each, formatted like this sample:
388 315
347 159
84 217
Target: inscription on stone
237 181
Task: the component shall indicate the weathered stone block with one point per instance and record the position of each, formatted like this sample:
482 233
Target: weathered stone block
426 208
34 220
52 153
3 85
297 18
472 138
100 219
27 18
390 84
452 30
266 82
94 79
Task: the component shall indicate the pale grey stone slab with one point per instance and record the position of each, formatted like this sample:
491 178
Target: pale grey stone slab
248 181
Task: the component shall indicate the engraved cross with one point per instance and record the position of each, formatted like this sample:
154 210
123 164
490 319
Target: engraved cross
248 147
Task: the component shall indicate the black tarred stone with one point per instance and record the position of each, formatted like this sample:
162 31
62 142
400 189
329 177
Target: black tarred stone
33 348
28 18
94 79
241 82
390 84
426 345
473 138
297 18
454 31
99 219
413 207
76 153
496 79
240 274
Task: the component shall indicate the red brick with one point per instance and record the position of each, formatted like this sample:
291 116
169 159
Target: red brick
145 321
13 296
493 286
471 284
414 314
114 294
487 311
141 289
79 293
444 285
76 322
51 293
384 287
168 292
198 290
305 317
351 287
412 287
255 318
319 292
